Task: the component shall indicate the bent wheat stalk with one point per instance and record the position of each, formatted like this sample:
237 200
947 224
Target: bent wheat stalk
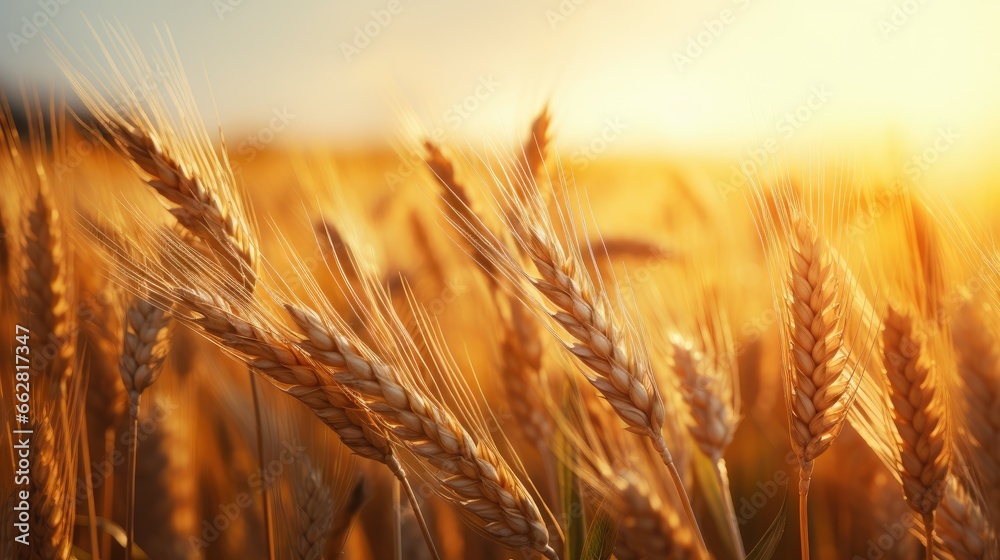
477 479
268 352
621 376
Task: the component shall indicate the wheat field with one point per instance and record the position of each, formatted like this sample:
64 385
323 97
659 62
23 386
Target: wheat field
447 351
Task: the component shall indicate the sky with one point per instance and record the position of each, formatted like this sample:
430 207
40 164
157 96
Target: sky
645 76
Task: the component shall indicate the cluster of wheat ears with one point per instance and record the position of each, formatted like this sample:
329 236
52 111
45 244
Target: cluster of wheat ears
547 403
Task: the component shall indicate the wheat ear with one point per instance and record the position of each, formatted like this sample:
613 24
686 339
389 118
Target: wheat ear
475 477
712 421
978 353
46 292
521 347
267 351
198 208
315 512
819 391
52 473
965 531
648 529
918 414
622 376
45 288
648 524
145 347
4 256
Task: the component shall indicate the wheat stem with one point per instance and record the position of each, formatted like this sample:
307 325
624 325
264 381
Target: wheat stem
89 487
675 477
722 477
421 521
133 448
261 466
804 524
397 521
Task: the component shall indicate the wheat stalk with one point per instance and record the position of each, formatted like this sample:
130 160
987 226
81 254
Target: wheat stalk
476 478
146 342
712 422
267 351
918 414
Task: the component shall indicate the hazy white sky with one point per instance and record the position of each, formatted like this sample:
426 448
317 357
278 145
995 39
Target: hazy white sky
663 74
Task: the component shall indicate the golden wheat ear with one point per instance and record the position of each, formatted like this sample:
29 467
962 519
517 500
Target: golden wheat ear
918 357
157 130
976 337
701 359
521 347
606 342
825 339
